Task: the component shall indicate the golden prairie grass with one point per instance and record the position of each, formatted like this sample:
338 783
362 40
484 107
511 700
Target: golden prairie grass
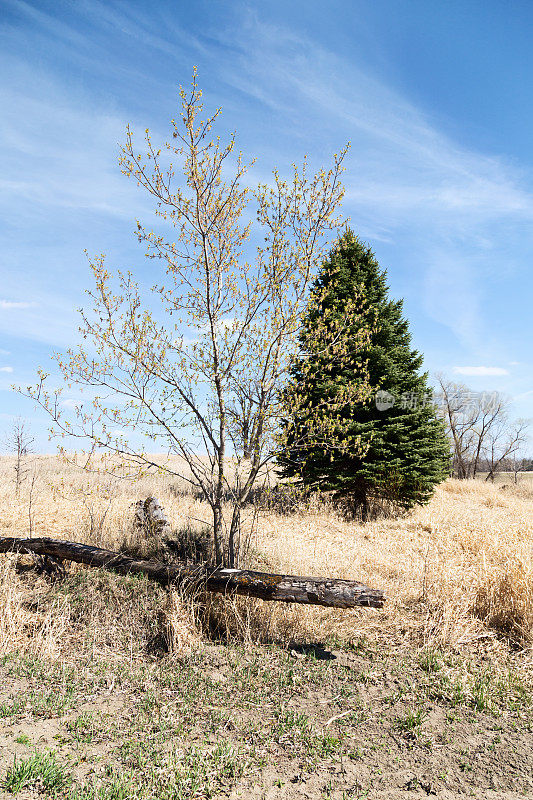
456 571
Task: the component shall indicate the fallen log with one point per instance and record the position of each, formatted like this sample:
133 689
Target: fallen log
284 588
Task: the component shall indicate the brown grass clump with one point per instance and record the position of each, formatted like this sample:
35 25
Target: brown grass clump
505 601
92 614
456 571
35 628
181 633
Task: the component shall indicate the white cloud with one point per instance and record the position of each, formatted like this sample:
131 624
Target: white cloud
69 402
6 369
223 325
8 305
480 371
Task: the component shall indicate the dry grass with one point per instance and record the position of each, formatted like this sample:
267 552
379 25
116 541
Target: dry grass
40 630
456 571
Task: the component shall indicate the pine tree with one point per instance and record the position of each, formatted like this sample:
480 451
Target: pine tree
388 447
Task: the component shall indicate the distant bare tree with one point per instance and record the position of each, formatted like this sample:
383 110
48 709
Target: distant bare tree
471 419
518 464
479 428
20 442
505 441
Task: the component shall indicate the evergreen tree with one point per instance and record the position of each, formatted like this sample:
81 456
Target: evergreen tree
389 446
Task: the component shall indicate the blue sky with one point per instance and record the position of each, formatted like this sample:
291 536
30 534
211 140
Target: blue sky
435 98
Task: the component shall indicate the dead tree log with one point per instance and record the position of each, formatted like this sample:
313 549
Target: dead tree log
284 588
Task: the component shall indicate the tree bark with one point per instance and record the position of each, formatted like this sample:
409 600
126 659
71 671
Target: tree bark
267 586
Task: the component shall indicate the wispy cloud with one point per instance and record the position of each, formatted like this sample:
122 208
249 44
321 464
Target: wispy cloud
443 211
159 30
480 371
68 135
8 305
407 181
50 318
6 369
73 158
403 161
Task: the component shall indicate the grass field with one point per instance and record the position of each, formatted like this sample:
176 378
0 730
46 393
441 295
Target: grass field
114 688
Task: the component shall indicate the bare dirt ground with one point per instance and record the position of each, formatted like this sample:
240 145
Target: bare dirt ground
266 722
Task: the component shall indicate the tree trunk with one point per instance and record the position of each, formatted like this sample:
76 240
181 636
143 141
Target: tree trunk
218 533
234 536
364 507
267 586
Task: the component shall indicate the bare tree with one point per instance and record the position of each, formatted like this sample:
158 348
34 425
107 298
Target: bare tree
504 443
196 366
517 464
469 417
20 442
480 430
